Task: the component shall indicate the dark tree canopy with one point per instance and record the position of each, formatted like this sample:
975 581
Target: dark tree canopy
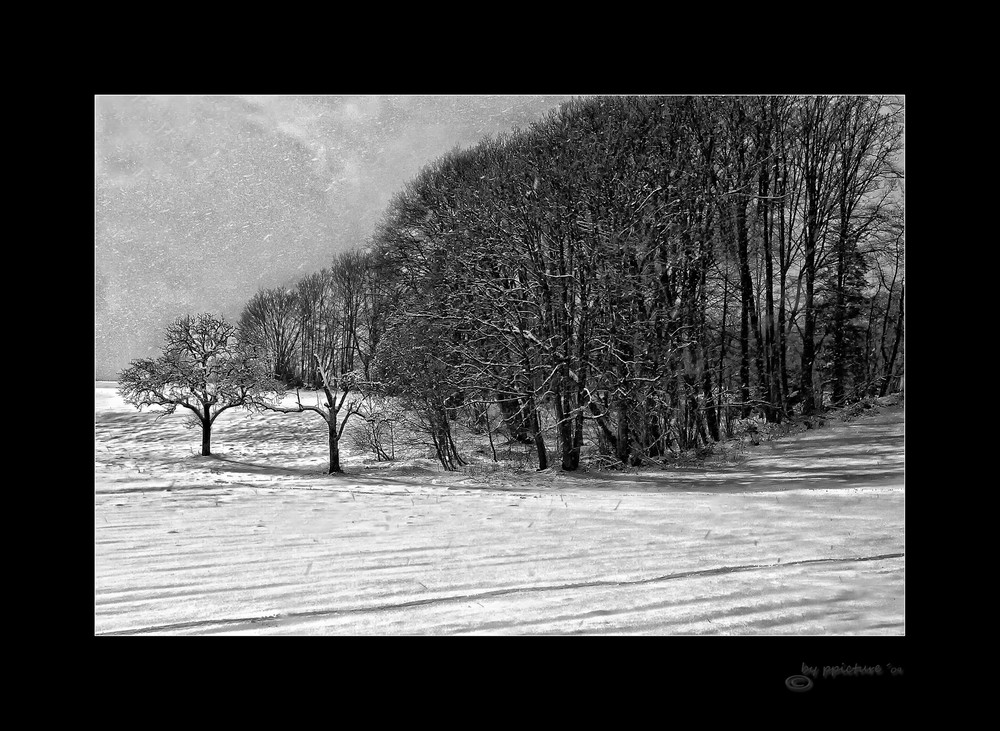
657 266
644 272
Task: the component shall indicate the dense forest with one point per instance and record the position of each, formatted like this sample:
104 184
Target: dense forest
634 273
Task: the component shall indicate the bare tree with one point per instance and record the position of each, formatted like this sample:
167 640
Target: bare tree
206 369
336 391
271 319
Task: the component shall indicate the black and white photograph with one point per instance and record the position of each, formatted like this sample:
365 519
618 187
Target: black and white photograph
519 365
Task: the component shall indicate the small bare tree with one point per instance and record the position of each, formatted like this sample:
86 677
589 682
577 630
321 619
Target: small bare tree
336 391
205 368
271 319
377 432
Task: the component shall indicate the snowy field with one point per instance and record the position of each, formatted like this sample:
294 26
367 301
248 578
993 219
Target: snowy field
805 536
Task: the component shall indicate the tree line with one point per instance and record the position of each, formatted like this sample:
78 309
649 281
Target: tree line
641 271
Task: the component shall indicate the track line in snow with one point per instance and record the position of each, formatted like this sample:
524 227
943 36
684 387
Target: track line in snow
312 614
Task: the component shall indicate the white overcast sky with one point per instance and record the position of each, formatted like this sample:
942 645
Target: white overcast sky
201 200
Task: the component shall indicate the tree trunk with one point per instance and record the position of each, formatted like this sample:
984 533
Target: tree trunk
807 388
895 347
723 349
621 438
453 456
334 445
206 438
840 321
774 409
489 432
748 317
840 345
438 437
531 416
543 458
570 455
746 304
577 434
782 345
711 413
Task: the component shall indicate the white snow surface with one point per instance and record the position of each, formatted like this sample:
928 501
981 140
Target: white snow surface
805 536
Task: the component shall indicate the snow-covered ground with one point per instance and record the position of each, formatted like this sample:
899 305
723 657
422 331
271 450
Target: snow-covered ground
804 536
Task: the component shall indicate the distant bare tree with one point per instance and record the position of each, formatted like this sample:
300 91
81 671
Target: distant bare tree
271 318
